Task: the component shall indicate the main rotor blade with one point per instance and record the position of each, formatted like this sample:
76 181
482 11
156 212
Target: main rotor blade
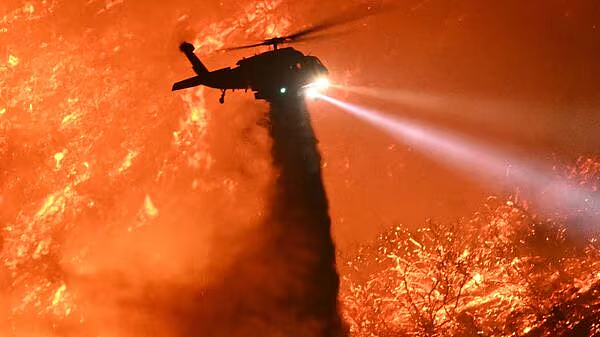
245 46
322 36
350 16
355 14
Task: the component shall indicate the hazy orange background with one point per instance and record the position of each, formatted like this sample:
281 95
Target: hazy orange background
520 75
100 163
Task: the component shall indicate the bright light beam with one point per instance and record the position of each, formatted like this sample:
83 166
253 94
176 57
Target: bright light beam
404 97
482 108
493 113
554 197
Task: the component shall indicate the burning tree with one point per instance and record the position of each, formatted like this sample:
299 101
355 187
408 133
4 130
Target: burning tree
504 272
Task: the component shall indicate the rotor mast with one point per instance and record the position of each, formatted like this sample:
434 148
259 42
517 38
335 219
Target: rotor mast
276 41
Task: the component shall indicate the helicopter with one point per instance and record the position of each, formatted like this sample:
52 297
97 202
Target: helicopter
274 74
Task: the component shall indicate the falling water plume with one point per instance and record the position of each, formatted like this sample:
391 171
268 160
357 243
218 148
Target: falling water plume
301 221
283 282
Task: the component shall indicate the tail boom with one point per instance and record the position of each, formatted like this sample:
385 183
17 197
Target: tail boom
187 83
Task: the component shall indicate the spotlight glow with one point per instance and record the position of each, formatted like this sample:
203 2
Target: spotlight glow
311 92
322 83
554 197
510 117
314 89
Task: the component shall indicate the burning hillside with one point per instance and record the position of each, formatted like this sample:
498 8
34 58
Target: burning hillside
128 210
503 272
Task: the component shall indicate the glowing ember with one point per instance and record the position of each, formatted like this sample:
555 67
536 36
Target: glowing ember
149 207
12 61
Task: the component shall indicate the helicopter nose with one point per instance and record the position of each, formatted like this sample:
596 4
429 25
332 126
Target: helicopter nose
323 72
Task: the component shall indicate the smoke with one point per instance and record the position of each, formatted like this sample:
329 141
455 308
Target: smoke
275 276
152 250
186 229
282 280
127 210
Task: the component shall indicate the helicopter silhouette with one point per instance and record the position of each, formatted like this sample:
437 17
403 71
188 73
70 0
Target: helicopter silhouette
274 74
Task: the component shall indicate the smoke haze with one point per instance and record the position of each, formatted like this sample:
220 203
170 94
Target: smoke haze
125 207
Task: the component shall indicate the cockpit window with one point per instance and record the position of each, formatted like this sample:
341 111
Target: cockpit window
313 60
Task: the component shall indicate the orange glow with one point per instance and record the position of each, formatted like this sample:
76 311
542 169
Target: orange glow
502 272
110 182
121 201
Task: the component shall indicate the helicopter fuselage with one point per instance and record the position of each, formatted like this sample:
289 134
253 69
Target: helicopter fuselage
272 74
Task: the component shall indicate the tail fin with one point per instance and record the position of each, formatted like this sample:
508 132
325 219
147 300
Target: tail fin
188 49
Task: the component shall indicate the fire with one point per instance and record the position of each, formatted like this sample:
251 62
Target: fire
504 271
12 61
90 141
99 161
